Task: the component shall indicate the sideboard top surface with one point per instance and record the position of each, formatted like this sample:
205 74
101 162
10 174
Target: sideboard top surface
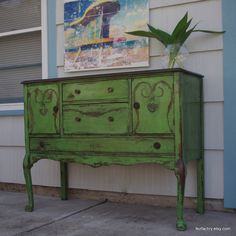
115 75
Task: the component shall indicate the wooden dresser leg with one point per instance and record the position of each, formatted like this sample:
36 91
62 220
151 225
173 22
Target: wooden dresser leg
200 186
200 165
27 173
180 175
64 180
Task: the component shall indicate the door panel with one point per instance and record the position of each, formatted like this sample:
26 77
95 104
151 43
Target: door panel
43 107
153 101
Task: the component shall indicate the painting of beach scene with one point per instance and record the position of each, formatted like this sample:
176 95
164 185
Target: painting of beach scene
95 34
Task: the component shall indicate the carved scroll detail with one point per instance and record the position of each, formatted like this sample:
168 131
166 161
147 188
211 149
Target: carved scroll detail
153 93
44 99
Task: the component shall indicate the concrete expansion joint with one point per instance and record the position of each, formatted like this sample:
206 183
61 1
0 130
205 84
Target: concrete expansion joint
62 217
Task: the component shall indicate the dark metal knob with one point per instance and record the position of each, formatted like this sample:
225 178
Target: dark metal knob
41 144
77 91
157 145
55 109
110 90
77 119
70 96
110 118
136 105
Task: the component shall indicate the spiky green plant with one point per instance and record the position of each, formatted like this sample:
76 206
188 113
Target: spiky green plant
177 38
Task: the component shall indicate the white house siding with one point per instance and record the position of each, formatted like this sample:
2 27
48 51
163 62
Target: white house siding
205 57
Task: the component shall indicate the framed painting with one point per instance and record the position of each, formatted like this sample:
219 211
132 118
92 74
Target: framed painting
95 34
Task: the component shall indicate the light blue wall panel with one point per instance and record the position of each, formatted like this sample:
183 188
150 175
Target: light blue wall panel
229 24
52 42
12 113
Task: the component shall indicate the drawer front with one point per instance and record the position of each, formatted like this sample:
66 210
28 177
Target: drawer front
95 91
96 119
105 145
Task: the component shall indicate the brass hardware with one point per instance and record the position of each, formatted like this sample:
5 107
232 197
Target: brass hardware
157 145
77 91
77 119
110 90
110 118
136 105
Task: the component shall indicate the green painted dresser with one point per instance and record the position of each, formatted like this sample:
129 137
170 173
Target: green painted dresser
117 119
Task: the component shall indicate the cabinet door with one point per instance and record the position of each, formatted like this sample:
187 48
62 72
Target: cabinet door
43 109
153 101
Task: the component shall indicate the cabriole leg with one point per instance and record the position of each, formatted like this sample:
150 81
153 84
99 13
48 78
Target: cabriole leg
27 173
64 180
180 175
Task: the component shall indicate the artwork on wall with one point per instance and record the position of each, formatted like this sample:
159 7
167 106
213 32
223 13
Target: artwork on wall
95 37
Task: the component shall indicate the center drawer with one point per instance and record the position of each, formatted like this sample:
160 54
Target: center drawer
140 145
98 90
112 118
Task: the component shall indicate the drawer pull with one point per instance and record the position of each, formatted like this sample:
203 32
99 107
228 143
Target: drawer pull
71 96
136 105
110 118
55 109
77 91
77 119
157 145
110 90
41 144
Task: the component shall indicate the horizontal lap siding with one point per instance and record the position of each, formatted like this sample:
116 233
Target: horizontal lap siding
24 14
205 57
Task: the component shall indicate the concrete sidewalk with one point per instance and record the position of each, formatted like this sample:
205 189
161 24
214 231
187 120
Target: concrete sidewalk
92 218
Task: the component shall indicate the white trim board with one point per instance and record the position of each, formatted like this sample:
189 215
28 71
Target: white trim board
22 31
11 106
44 39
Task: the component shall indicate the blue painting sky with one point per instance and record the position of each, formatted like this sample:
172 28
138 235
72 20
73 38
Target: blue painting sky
75 9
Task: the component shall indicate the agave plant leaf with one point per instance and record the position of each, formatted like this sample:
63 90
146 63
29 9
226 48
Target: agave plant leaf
186 35
161 35
209 31
180 28
179 35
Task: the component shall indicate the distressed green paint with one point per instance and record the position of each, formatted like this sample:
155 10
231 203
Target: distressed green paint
200 187
27 164
64 180
43 109
180 223
105 159
151 117
180 171
200 162
191 114
96 119
189 138
28 180
145 145
93 91
155 98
